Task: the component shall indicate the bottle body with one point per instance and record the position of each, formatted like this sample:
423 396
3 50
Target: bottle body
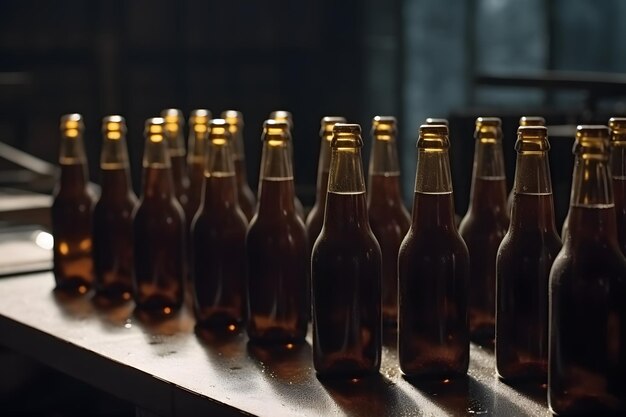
390 223
433 270
587 293
112 234
71 215
278 265
219 275
482 230
523 267
315 219
346 279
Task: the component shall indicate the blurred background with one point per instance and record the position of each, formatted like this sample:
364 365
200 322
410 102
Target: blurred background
561 59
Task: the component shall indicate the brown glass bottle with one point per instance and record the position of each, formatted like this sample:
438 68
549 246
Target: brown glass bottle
71 212
219 240
285 116
484 226
618 173
524 121
388 217
198 130
277 250
346 268
587 358
159 231
433 271
247 200
112 216
174 135
523 265
315 219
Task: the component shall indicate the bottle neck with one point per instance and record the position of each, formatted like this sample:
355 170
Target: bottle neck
323 168
197 147
488 190
276 189
74 178
157 175
384 173
220 184
72 151
432 179
346 205
618 160
115 182
533 204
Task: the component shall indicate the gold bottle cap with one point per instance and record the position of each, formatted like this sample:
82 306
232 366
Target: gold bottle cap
282 115
154 129
532 121
433 136
174 122
72 125
346 135
592 139
327 123
275 130
532 139
219 128
199 116
488 128
233 117
384 125
114 127
618 128
436 121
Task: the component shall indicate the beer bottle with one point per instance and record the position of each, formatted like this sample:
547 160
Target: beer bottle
524 121
285 116
315 219
174 126
112 216
388 217
277 249
71 212
198 130
618 172
159 231
219 240
523 264
484 226
587 359
433 270
247 200
346 270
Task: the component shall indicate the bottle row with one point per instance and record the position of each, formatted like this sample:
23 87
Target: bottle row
359 263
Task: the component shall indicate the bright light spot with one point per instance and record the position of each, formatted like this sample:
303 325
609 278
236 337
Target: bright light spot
167 310
44 240
82 289
231 327
114 135
445 381
63 248
354 380
289 346
128 325
126 296
85 244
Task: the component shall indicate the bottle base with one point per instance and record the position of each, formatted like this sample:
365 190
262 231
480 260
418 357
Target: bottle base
72 286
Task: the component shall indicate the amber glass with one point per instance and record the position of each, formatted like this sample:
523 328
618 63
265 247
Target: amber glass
315 219
112 216
618 173
433 271
159 231
524 121
71 212
174 135
484 226
436 121
523 265
277 250
196 149
388 217
247 200
346 268
219 240
285 116
587 360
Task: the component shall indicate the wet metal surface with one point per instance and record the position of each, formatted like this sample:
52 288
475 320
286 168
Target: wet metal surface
168 369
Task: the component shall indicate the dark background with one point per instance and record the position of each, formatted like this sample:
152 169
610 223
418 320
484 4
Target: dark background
408 58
